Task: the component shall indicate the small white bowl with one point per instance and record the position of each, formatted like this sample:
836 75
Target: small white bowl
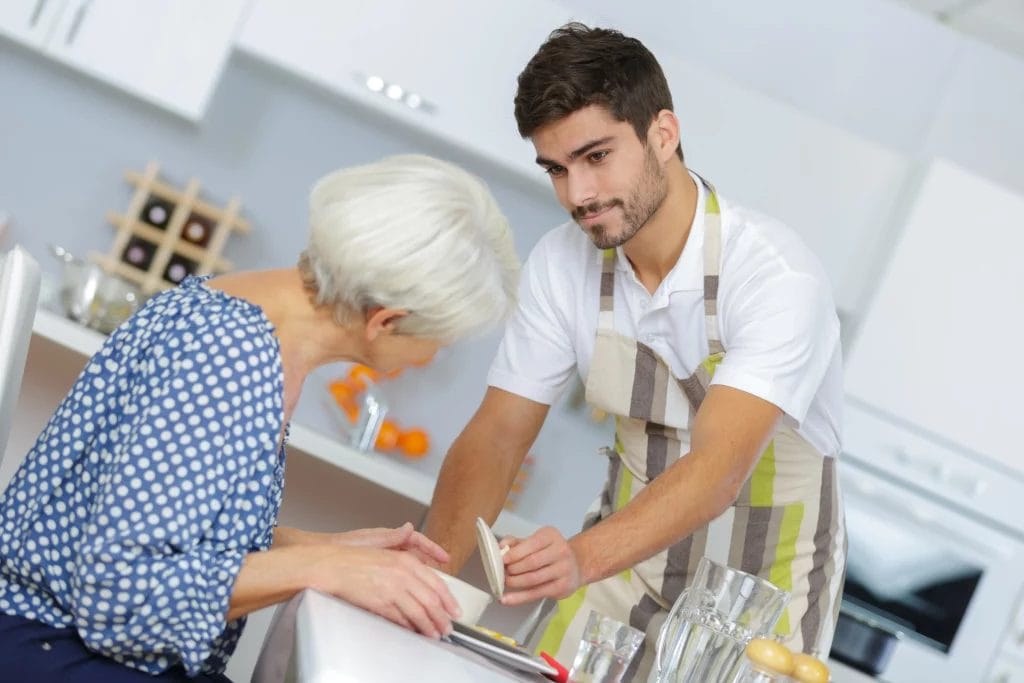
471 599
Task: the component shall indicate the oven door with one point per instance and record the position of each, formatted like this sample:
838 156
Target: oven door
942 579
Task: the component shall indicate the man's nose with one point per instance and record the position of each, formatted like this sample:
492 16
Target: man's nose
581 188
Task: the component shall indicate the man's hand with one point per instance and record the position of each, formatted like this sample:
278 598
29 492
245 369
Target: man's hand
403 538
541 566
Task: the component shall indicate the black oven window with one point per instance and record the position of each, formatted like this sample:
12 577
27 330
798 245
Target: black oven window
931 612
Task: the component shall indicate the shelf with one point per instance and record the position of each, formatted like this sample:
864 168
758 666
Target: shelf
67 333
372 467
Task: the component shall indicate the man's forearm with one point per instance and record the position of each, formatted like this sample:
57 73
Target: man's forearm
474 481
479 469
729 435
687 496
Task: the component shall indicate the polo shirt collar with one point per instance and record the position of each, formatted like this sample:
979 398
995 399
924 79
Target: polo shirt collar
688 272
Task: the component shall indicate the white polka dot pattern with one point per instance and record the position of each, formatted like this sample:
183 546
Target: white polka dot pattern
159 472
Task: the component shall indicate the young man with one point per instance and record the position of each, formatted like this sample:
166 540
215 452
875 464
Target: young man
707 330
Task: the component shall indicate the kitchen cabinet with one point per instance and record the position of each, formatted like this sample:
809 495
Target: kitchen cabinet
168 52
448 68
940 345
29 22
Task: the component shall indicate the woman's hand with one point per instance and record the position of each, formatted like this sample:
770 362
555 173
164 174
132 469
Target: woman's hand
391 583
403 538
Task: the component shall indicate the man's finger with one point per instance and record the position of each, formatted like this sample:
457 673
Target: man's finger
526 547
548 590
532 579
544 557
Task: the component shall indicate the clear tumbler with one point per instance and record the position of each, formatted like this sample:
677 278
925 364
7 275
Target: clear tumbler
605 651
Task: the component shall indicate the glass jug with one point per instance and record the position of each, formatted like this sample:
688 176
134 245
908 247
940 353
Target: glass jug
708 628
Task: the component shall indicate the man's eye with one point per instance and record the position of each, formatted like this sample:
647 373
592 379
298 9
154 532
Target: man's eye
598 156
555 170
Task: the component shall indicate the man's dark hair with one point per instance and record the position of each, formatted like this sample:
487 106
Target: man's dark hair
579 66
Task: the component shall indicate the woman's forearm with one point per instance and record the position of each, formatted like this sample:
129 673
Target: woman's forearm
285 536
270 577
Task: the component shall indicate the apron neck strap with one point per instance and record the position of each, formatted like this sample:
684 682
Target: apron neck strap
712 262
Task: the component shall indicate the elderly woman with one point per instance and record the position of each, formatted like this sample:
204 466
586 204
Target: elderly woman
141 527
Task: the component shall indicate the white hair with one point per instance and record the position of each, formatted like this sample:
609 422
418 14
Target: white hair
415 233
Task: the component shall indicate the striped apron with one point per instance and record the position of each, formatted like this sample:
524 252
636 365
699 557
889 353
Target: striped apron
786 525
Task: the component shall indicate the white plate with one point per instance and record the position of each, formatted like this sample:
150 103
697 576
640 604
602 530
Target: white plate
491 554
516 657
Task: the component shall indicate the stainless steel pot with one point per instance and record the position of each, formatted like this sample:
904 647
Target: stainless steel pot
92 296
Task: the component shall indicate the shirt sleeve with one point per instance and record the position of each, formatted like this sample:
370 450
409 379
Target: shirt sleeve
172 521
536 358
781 333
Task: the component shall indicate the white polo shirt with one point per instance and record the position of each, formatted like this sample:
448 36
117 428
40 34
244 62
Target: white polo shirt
775 308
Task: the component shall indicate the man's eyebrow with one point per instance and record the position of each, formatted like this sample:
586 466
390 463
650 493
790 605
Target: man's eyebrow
576 153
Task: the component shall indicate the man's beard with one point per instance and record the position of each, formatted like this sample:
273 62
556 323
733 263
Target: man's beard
644 200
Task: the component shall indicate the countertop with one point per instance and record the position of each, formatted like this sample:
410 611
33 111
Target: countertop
331 641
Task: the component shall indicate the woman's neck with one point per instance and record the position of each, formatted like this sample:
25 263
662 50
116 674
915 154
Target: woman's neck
308 335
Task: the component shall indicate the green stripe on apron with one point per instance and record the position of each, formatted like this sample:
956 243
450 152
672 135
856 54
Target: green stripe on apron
565 613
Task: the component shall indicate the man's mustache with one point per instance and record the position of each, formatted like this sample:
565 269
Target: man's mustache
595 207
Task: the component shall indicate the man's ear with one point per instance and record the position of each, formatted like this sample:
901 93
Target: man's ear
664 134
381 321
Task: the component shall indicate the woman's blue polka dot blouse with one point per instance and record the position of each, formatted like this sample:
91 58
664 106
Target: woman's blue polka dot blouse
162 468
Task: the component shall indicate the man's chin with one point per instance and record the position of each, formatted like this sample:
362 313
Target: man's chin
600 238
604 241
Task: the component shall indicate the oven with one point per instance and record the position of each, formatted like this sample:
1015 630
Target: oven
936 553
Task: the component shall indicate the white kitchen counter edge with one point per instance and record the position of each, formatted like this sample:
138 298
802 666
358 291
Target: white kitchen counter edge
404 481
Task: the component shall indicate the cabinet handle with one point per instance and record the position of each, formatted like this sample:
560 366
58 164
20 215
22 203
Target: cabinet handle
36 13
76 23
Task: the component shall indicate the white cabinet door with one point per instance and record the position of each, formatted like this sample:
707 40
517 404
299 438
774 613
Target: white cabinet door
170 52
457 59
941 344
29 21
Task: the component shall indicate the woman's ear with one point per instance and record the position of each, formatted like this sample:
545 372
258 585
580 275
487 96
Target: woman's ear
381 321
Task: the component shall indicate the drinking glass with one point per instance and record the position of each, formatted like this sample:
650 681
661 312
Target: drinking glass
705 634
605 651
